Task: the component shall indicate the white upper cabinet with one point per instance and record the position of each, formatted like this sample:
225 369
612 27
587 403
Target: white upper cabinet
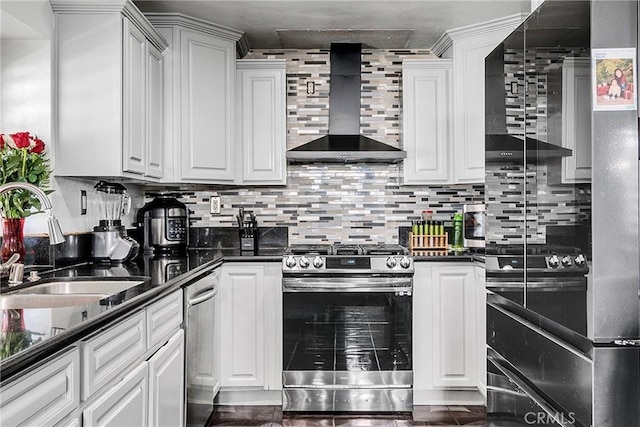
261 119
200 99
467 47
109 66
426 122
576 120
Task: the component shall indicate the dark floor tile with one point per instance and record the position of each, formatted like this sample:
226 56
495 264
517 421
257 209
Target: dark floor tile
434 414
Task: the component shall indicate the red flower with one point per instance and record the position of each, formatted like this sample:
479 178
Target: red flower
21 139
2 137
38 147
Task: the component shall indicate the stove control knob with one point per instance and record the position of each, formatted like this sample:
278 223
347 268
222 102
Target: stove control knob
566 261
303 262
317 262
290 262
391 262
405 262
554 261
580 260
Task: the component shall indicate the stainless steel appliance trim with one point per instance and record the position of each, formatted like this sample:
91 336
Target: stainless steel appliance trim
541 332
347 400
351 284
347 379
551 283
531 393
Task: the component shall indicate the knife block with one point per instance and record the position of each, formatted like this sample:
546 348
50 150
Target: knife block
248 238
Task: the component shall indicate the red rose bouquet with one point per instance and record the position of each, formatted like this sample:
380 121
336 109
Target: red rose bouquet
23 160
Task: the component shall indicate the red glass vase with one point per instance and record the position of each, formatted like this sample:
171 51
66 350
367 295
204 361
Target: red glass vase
12 238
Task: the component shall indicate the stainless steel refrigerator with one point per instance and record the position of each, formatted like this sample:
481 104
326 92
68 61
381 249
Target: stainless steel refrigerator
562 161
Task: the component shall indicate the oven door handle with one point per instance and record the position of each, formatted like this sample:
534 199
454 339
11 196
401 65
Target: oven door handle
312 289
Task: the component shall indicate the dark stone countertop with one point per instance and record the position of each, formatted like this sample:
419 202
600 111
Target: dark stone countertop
49 330
449 256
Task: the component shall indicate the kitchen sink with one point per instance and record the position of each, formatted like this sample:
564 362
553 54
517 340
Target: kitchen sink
80 287
65 293
21 300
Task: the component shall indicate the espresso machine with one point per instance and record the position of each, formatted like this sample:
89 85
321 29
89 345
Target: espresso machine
109 237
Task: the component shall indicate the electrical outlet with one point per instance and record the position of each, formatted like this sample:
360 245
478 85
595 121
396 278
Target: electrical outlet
214 204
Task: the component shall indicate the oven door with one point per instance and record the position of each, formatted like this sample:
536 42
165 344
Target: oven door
347 336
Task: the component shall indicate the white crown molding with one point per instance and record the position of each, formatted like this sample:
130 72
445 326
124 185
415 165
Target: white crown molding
185 21
507 23
421 64
252 64
124 7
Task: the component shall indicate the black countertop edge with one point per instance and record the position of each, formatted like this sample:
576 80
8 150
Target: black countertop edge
43 352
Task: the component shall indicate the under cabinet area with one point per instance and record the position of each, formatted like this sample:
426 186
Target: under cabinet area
119 120
251 322
445 334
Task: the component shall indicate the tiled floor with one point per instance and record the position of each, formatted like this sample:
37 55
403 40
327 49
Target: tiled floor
271 416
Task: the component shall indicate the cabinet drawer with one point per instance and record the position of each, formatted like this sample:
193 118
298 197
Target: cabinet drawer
108 355
125 404
163 319
45 396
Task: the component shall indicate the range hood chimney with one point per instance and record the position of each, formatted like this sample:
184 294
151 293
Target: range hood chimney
344 142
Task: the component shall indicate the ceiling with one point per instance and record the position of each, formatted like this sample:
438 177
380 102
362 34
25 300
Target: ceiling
306 24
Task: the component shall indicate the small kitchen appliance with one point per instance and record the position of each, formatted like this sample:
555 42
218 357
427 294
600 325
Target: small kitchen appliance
473 217
110 241
165 225
347 328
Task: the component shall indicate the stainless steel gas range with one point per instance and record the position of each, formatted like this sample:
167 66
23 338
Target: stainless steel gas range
347 328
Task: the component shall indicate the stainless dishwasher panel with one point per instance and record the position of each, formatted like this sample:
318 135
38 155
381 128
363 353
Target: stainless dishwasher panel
202 372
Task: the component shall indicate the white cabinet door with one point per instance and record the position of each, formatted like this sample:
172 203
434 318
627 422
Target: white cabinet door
243 327
262 121
164 317
576 120
124 405
166 383
155 113
454 332
481 330
111 353
207 108
44 397
426 122
134 99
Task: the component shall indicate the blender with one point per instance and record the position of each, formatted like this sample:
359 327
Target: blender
110 240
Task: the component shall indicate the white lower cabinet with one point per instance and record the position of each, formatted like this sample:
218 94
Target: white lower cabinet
166 383
251 325
125 404
481 329
45 396
445 351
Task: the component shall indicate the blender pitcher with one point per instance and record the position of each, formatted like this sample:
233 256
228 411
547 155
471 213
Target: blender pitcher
114 202
110 240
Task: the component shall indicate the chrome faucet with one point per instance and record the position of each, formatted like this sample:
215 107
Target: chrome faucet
55 233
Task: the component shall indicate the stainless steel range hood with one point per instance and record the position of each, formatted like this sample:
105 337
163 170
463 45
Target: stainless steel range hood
344 142
509 147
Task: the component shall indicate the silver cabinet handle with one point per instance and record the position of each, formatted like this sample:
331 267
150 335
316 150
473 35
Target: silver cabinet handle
202 297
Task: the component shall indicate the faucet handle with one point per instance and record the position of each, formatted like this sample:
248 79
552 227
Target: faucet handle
16 274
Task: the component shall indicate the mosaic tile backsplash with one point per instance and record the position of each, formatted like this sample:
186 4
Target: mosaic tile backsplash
333 203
